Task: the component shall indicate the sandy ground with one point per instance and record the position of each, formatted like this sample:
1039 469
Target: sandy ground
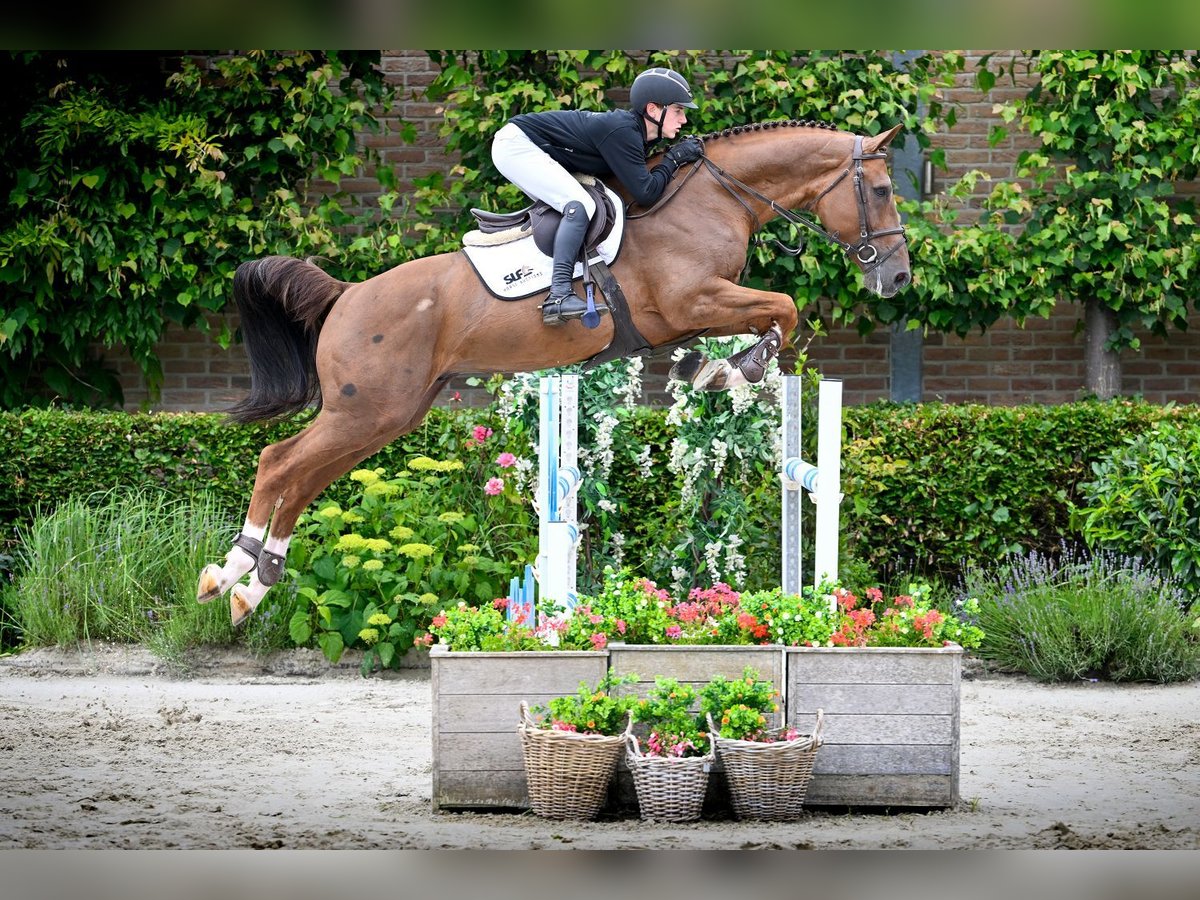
110 749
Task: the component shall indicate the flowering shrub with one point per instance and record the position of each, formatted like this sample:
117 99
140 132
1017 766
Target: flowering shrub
740 707
399 548
485 627
591 710
636 611
794 620
669 717
907 620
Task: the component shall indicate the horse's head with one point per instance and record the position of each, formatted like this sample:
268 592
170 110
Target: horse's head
858 208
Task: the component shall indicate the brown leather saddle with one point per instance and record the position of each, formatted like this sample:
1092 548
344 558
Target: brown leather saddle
542 219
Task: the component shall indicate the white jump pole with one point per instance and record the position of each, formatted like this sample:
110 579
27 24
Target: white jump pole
558 483
823 483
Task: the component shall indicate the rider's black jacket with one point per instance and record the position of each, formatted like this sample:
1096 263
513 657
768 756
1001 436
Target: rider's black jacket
599 143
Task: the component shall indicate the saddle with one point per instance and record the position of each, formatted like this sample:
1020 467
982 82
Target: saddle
542 220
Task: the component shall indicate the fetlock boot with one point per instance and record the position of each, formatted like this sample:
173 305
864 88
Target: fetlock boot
563 303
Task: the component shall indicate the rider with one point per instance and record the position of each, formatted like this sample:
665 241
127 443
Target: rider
538 152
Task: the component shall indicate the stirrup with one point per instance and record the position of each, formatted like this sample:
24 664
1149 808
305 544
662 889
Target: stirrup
553 314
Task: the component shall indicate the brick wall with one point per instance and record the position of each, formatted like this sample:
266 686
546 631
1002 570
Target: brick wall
1042 362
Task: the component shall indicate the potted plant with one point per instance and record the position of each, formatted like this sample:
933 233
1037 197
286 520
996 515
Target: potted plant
671 763
767 770
570 747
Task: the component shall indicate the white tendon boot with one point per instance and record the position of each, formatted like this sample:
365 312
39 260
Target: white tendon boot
242 557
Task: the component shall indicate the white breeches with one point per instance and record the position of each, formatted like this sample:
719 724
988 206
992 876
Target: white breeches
533 170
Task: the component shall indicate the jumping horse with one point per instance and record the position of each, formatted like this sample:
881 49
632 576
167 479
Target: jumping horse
372 356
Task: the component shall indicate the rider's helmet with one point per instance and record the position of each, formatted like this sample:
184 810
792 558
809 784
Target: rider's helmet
662 86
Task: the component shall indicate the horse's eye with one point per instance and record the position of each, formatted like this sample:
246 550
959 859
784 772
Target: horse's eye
882 192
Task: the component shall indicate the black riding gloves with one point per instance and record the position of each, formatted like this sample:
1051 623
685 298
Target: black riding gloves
686 151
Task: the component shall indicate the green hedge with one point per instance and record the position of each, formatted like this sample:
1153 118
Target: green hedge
928 487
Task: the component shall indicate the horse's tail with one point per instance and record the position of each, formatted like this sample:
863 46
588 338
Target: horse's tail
282 302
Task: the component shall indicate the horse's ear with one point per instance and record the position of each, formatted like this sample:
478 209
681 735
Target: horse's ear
880 141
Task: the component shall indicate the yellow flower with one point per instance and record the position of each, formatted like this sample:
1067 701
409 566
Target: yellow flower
329 512
377 545
372 565
401 532
422 464
350 562
451 517
428 599
416 551
351 518
350 543
379 618
467 548
369 635
380 489
364 476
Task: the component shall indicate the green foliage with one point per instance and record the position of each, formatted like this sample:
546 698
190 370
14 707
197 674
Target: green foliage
1118 133
119 566
1144 501
1084 616
372 575
134 193
933 488
484 627
740 707
668 716
928 489
592 710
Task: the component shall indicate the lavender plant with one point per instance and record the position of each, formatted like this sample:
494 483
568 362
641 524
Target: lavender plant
1084 615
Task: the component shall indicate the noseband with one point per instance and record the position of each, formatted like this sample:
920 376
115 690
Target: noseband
864 250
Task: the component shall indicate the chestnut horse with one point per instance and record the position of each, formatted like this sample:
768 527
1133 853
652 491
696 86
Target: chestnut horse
374 355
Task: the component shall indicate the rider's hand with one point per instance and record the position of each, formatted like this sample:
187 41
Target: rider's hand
686 151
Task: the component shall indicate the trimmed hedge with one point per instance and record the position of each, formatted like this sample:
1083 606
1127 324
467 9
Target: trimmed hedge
928 487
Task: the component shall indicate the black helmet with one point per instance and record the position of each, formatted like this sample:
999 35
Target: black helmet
661 86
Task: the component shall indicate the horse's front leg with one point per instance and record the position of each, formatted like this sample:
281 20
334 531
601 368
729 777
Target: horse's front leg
769 314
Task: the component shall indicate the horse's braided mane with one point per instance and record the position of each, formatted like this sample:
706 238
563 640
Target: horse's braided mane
763 126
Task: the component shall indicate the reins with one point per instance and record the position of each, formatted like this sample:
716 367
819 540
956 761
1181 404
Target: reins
864 250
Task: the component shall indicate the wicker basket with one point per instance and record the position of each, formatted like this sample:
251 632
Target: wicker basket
669 788
768 780
568 773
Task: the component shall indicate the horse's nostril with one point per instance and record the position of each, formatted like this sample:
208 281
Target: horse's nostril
902 279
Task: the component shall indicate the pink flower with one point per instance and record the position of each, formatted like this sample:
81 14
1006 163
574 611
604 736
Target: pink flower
674 631
494 486
481 433
457 398
439 620
621 626
599 640
506 460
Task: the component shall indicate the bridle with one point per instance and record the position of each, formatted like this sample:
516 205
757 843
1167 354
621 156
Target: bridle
864 250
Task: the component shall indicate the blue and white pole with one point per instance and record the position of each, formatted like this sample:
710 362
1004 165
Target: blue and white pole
822 482
558 484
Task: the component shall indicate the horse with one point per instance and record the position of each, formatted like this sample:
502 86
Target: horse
371 357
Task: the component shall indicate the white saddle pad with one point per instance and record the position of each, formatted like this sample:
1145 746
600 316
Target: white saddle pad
515 268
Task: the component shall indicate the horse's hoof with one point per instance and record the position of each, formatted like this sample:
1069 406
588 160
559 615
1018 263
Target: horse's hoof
687 366
239 607
713 377
209 588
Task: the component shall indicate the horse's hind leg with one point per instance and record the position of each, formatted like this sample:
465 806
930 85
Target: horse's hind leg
291 474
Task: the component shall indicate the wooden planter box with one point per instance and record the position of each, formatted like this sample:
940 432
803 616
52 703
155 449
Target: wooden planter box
891 723
477 761
891 716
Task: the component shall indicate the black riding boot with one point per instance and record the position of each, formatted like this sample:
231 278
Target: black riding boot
563 303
